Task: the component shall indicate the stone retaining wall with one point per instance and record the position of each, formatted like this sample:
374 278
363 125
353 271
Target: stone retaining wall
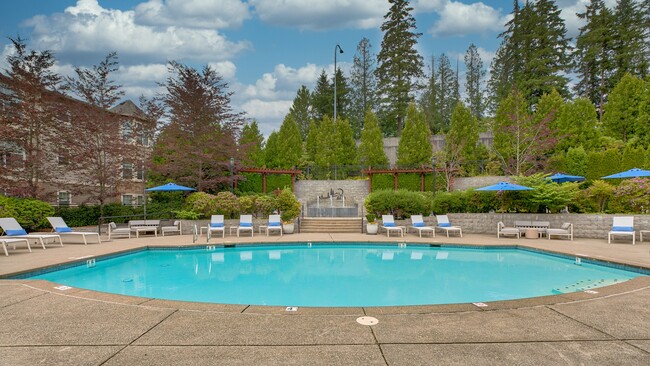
595 226
353 190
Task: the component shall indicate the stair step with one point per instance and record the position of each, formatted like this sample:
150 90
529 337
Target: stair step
331 225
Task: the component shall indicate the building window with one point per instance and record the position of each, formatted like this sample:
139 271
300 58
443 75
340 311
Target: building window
127 130
64 198
132 199
127 171
63 160
139 173
127 199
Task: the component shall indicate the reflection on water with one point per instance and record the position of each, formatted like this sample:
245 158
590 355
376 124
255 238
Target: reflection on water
340 275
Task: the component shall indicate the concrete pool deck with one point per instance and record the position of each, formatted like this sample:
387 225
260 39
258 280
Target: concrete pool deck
41 324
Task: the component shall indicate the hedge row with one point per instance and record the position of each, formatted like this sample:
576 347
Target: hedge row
252 182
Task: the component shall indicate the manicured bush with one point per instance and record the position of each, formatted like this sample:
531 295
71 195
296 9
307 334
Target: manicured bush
288 205
246 204
382 181
265 205
30 213
227 204
631 196
400 203
202 203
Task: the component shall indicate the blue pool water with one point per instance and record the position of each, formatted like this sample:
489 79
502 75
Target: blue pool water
337 275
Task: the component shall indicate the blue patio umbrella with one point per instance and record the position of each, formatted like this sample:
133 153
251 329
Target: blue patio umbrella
632 173
562 178
505 186
169 187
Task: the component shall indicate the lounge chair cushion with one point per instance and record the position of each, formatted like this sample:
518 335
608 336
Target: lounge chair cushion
622 228
16 232
246 224
418 224
274 223
389 224
444 224
62 229
216 224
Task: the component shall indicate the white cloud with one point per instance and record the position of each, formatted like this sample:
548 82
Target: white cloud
320 15
226 69
87 28
459 19
193 13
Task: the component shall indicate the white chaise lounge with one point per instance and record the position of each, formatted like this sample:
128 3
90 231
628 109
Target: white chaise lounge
61 228
503 230
444 224
417 223
12 229
388 224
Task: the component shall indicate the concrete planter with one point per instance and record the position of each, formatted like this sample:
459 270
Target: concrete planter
288 228
372 229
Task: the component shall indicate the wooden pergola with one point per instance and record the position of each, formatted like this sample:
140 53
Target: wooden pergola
267 171
396 172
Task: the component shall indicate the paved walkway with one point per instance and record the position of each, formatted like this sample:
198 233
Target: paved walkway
42 325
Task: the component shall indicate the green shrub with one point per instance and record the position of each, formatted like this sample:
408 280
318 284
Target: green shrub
203 203
288 205
400 203
186 215
381 181
227 204
631 196
448 202
265 205
30 213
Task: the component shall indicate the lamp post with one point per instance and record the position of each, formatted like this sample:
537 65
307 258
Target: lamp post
433 166
232 171
340 51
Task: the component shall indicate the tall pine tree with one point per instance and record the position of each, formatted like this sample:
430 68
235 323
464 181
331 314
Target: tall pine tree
363 85
322 99
474 74
371 147
252 142
446 95
399 66
301 110
415 143
630 42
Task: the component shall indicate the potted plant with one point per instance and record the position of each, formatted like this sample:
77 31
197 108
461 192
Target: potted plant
289 208
371 227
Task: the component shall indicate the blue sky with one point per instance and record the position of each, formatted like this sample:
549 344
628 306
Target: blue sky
265 49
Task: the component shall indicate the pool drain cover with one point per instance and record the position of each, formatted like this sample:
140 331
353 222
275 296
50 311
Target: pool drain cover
367 320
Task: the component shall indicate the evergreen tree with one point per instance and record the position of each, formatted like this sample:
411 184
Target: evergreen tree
446 95
621 118
508 61
460 141
311 143
549 107
363 85
342 95
415 143
630 42
399 66
301 110
371 145
252 142
576 126
546 54
272 155
347 147
328 143
289 143
322 99
473 78
593 55
429 98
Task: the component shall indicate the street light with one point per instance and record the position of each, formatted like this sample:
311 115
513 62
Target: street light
340 51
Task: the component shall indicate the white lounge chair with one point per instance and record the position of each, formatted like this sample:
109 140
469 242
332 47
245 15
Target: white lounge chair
565 230
113 230
5 241
12 228
61 228
444 224
274 224
622 226
388 224
175 228
502 230
417 223
245 224
216 225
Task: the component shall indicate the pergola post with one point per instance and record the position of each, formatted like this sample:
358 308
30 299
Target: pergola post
421 182
264 182
395 175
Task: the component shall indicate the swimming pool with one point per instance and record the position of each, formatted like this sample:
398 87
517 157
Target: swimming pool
338 275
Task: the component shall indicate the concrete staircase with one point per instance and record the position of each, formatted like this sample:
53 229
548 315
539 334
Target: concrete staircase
331 225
